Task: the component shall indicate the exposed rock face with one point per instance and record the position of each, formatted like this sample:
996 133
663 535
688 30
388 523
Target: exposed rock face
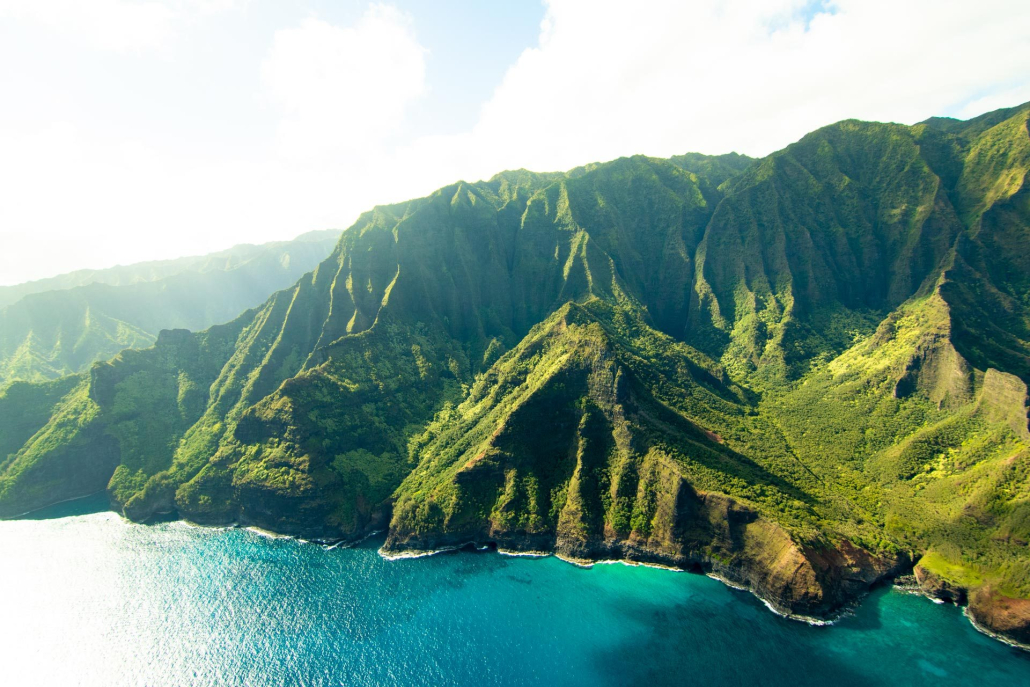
1002 615
940 588
992 611
785 373
573 461
714 534
1003 399
938 372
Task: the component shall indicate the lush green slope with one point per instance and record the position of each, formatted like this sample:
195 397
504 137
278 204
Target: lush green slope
804 373
155 270
64 324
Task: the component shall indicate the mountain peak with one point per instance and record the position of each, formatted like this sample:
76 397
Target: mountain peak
790 371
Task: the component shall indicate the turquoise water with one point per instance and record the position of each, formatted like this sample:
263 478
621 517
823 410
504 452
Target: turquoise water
94 600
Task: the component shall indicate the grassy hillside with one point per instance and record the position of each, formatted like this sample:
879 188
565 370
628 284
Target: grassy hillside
805 373
155 270
62 325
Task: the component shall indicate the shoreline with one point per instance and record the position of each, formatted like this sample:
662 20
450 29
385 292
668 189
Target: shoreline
587 564
582 563
58 503
993 635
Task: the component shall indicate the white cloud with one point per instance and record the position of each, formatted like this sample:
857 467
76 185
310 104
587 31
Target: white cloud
118 25
1017 95
105 24
344 88
72 200
663 77
606 79
666 76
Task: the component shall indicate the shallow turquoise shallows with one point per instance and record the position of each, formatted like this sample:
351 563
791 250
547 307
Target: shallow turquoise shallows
95 600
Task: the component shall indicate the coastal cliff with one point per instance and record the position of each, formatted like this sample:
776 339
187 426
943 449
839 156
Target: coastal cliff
800 374
715 536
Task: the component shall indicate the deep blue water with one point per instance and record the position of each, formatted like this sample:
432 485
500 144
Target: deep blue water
94 600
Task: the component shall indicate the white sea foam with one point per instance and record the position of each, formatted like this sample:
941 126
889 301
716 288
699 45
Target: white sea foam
415 553
267 534
731 585
521 554
808 620
588 564
994 635
578 562
639 564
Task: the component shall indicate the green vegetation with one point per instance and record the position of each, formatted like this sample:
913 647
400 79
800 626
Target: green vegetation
57 326
802 370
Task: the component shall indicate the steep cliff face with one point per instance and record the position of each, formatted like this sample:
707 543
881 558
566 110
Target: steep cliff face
801 373
1004 616
849 222
65 453
551 440
312 397
577 442
990 277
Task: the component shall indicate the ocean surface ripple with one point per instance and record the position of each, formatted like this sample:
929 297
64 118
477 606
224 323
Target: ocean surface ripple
90 599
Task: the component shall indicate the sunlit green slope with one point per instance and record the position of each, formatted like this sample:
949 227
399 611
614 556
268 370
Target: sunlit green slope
154 270
62 325
805 373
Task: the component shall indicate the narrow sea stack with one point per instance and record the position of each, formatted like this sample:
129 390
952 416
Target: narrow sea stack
804 374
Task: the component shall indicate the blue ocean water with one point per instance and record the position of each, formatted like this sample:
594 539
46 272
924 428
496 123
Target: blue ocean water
94 600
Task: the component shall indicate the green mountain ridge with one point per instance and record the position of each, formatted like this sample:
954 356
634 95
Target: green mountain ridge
153 270
91 315
804 373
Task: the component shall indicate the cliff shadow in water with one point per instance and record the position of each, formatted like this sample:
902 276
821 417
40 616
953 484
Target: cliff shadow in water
85 505
687 643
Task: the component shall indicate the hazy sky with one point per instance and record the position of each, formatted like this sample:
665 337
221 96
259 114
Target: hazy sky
135 130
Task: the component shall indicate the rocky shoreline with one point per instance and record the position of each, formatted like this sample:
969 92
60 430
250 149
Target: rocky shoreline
815 583
823 584
589 563
820 604
905 578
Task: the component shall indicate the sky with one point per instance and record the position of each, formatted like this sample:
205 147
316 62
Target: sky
139 130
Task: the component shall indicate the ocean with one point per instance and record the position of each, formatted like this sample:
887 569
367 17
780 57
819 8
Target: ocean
91 599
